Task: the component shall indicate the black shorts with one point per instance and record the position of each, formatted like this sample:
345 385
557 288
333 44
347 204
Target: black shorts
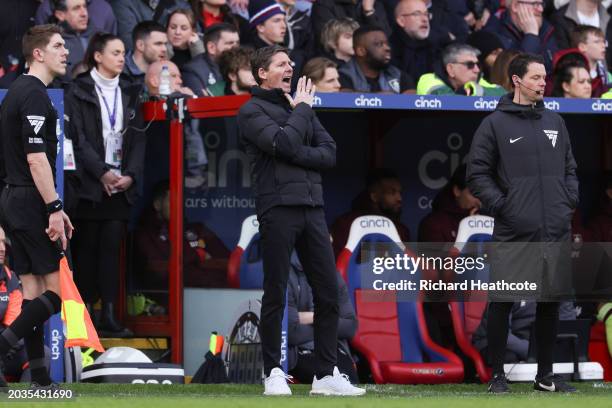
23 215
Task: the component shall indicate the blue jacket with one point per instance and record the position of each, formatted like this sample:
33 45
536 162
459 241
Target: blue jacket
511 37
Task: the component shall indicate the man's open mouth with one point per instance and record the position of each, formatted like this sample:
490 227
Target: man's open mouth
287 79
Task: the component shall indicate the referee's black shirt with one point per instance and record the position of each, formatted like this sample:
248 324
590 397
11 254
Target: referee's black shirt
28 122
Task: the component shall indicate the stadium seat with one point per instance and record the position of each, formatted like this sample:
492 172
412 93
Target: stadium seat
392 334
245 266
466 316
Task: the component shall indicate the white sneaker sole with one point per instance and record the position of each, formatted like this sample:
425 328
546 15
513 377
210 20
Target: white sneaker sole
277 394
329 393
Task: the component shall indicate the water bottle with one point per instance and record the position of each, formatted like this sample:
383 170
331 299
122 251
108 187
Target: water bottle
164 82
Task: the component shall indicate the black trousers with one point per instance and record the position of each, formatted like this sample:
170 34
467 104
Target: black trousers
96 258
305 367
547 322
304 229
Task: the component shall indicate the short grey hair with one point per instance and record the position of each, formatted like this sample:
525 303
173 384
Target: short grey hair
450 53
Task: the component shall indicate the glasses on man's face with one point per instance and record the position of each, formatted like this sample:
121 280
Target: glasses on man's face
418 14
534 4
468 64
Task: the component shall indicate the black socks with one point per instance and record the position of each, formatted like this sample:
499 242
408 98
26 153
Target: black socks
33 315
35 348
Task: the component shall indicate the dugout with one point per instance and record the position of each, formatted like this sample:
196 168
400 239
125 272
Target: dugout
422 138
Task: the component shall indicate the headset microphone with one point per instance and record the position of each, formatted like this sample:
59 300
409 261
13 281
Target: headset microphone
537 92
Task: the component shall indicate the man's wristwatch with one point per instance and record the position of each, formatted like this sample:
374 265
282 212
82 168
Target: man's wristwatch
55 206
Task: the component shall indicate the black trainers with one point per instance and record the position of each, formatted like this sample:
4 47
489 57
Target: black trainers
551 383
498 384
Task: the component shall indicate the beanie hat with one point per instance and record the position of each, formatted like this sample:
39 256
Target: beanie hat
261 10
485 42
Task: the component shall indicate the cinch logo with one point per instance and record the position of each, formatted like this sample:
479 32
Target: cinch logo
482 104
316 101
369 102
552 105
481 223
55 344
284 341
428 103
374 223
599 106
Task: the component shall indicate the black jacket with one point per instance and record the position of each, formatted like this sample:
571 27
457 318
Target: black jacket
85 129
522 169
287 148
325 10
413 56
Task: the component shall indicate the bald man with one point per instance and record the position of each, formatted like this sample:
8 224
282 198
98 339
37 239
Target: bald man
415 46
152 79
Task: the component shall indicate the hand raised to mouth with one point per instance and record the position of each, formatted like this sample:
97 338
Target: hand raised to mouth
304 93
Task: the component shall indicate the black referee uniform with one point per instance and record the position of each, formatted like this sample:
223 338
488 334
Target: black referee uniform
28 125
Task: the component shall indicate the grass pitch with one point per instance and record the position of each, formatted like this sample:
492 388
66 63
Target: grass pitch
590 395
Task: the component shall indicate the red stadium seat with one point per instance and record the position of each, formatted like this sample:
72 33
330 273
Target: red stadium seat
392 334
466 316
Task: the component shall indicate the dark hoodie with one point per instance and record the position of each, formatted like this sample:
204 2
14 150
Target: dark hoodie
413 56
522 169
442 223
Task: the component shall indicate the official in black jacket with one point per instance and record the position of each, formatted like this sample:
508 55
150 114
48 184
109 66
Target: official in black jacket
522 169
288 148
109 151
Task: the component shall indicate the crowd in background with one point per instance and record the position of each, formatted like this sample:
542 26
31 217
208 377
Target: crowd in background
391 46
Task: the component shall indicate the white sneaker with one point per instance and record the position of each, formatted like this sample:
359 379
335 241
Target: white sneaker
337 384
276 383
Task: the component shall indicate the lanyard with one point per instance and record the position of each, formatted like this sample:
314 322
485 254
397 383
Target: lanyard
112 116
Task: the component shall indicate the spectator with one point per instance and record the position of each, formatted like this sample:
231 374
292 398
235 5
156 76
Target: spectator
499 73
370 70
365 12
458 75
267 23
183 40
382 196
522 317
299 38
452 204
337 40
209 12
300 306
522 27
414 47
235 67
150 45
129 14
571 78
100 13
450 18
324 74
580 12
15 19
152 79
204 254
202 72
591 42
109 150
73 17
490 47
